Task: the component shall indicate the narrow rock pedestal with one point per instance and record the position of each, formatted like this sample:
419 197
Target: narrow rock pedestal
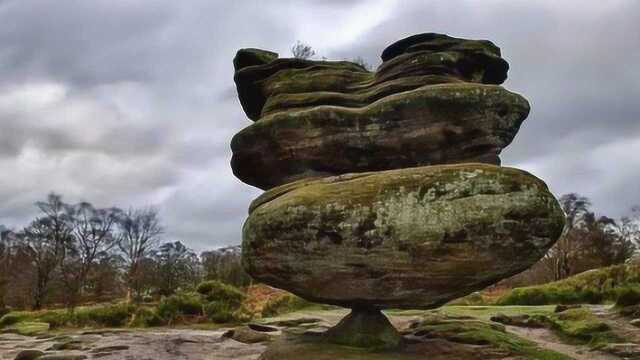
365 328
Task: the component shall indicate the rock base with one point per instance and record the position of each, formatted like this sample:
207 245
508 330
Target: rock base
316 347
366 328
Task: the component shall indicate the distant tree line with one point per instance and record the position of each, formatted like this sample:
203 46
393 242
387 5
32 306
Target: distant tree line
589 241
77 253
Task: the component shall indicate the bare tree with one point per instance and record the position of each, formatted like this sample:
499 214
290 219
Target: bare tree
225 265
560 256
177 267
92 238
6 259
46 241
302 51
104 279
139 234
630 226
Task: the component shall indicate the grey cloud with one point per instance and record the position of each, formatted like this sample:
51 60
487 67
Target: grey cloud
150 106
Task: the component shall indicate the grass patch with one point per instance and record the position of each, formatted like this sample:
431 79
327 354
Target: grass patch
578 326
486 312
581 326
27 328
172 307
590 287
145 317
110 316
479 332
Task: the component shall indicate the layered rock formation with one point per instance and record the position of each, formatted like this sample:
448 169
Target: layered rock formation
384 189
434 100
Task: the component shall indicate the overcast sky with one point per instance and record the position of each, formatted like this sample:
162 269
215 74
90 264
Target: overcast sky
132 103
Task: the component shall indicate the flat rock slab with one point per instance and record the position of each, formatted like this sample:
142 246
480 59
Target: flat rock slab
409 238
169 344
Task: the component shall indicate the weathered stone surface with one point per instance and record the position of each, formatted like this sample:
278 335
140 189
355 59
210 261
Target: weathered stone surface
63 357
410 238
428 103
264 80
523 320
472 60
252 57
451 123
246 335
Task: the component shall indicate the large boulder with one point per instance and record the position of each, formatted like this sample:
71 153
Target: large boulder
409 238
434 124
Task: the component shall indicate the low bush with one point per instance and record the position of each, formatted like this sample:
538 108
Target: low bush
187 303
220 292
219 312
545 295
145 317
56 318
10 319
628 296
110 315
284 304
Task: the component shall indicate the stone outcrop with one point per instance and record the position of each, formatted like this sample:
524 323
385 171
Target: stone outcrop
384 188
434 100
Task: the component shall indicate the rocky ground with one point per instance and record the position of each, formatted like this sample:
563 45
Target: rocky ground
135 344
452 333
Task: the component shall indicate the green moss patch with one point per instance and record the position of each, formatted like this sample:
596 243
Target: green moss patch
479 332
590 287
581 326
27 328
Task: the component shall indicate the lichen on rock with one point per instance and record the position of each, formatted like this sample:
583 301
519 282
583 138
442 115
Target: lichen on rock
400 238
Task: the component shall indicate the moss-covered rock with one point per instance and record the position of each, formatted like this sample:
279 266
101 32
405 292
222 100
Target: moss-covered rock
29 355
434 100
436 124
410 238
478 60
246 335
261 75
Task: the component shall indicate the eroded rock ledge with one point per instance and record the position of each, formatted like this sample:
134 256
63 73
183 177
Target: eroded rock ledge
434 100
